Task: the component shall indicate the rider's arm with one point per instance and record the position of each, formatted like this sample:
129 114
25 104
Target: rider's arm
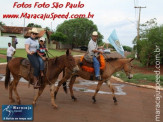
97 51
27 49
43 58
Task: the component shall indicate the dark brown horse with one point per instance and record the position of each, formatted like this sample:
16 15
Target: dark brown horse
54 68
111 67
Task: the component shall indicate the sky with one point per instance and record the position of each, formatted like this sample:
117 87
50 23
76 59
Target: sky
108 15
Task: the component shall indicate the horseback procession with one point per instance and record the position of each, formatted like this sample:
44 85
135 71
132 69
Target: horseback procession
40 70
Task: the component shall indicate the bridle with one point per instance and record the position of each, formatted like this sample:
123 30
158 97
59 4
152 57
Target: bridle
128 72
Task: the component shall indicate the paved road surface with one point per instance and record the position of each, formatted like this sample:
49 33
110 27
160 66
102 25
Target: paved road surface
135 104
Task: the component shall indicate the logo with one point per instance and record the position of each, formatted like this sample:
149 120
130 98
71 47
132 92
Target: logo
17 112
117 43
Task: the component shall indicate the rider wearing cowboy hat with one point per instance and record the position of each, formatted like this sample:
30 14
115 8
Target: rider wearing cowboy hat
93 50
31 45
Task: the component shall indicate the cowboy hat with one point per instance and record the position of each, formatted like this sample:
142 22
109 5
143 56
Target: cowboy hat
94 33
34 30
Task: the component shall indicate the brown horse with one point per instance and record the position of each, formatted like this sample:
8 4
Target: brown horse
54 68
112 66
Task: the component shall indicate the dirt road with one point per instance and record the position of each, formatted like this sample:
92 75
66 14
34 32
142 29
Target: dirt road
135 104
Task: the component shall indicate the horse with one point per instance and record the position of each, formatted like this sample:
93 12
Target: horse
54 67
111 66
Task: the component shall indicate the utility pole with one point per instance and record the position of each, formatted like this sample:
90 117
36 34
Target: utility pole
51 26
138 25
24 27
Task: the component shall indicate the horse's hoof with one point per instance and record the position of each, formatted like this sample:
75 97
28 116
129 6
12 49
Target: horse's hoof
74 98
55 95
115 103
65 89
55 106
34 104
94 99
19 102
12 101
115 100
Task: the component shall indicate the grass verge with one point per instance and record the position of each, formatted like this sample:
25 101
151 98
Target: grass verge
22 52
139 78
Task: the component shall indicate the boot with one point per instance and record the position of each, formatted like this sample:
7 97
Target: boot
42 73
36 86
98 78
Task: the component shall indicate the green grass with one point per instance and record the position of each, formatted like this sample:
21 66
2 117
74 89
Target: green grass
3 51
131 55
3 60
140 78
22 53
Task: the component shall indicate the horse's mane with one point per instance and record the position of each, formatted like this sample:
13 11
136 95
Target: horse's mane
112 59
55 59
112 56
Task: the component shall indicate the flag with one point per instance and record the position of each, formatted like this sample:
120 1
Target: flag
114 41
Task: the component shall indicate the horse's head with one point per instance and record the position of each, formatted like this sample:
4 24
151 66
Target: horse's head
128 68
70 62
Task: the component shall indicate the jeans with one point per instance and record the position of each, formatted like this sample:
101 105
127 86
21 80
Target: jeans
8 58
96 66
41 64
34 60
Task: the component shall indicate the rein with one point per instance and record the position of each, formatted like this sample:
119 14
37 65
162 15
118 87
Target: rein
47 52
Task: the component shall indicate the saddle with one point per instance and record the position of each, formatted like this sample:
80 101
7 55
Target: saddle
87 66
26 70
25 62
86 61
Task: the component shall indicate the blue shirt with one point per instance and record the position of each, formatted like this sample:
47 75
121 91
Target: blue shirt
33 44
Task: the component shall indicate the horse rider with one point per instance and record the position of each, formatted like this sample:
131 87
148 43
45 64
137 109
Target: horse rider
42 55
31 45
93 50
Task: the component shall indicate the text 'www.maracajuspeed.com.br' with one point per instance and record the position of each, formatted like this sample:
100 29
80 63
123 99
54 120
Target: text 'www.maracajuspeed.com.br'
47 16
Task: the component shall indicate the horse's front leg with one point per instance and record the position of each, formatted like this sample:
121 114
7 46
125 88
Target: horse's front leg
52 89
96 91
64 79
41 89
112 89
72 81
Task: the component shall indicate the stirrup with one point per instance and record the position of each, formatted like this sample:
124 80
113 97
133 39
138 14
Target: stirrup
36 86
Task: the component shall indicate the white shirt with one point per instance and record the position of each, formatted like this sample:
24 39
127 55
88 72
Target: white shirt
10 51
92 45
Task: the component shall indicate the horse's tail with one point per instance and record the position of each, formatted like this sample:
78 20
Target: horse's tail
65 83
7 78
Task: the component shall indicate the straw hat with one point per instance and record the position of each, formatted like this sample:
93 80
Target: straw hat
94 33
42 39
34 30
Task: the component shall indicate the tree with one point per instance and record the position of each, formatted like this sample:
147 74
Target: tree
34 25
151 35
78 31
127 48
58 37
2 24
